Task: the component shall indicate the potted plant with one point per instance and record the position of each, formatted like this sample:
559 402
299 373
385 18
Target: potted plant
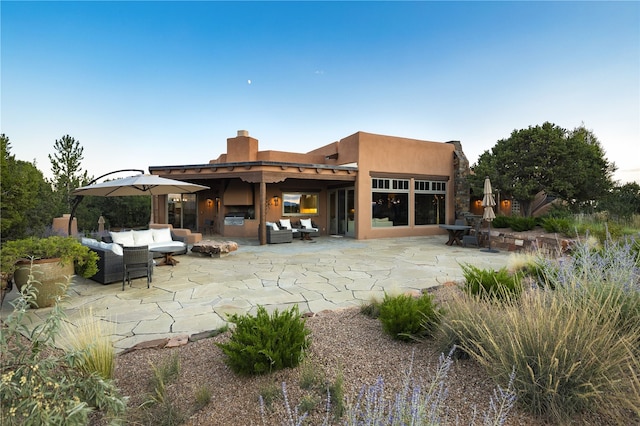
54 258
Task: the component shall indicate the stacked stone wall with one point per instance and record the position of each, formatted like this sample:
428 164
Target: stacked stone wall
461 187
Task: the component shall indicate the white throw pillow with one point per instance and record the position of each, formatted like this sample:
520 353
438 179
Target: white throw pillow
306 223
285 223
274 226
115 248
162 235
89 242
123 238
143 238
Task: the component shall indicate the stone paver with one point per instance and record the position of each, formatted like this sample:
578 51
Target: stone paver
328 273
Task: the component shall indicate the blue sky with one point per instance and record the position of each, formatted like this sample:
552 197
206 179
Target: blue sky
144 84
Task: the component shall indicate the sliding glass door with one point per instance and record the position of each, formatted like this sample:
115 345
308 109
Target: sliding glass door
342 212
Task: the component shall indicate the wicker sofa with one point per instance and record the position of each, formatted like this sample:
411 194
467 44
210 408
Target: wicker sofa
276 235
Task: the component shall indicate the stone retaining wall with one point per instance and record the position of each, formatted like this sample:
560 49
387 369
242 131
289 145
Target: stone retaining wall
547 244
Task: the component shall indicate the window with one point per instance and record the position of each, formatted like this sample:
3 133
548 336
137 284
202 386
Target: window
300 204
430 202
389 202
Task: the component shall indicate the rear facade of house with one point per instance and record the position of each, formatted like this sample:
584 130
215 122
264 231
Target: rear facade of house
364 186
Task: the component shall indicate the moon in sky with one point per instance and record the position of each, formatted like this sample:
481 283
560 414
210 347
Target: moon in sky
248 81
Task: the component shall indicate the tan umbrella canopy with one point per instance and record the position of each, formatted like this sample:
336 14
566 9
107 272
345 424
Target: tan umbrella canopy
488 202
141 184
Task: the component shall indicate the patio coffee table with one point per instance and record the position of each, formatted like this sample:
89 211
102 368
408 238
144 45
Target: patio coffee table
168 255
305 234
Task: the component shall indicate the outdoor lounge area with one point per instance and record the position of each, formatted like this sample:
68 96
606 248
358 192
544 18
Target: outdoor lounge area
161 242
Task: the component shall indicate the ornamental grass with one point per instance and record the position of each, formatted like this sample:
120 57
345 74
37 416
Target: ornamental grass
575 349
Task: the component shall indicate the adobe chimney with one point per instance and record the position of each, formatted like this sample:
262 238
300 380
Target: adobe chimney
242 148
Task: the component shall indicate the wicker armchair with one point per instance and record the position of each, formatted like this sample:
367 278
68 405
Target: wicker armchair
136 260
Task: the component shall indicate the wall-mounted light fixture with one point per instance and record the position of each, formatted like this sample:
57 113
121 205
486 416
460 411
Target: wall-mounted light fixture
276 200
209 202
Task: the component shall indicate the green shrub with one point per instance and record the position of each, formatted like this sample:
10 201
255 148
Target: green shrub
405 317
42 385
500 284
500 222
521 224
264 343
557 225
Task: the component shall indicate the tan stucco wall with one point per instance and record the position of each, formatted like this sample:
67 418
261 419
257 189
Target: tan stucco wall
387 156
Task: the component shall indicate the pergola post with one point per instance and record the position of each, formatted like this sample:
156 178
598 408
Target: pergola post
262 230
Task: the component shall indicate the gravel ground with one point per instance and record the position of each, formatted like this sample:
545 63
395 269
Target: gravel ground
345 341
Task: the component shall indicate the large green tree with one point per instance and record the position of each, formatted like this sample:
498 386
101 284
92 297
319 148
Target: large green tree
25 196
67 169
569 165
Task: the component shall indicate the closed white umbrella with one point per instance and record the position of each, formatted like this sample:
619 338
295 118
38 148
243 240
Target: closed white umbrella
488 202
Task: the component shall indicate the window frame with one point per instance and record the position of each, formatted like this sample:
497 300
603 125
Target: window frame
314 194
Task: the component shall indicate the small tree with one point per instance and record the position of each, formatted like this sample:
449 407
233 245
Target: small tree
66 168
22 189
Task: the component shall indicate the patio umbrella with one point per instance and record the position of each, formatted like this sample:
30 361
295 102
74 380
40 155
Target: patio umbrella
139 185
488 202
136 185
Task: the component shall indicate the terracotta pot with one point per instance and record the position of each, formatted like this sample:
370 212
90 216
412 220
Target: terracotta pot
50 279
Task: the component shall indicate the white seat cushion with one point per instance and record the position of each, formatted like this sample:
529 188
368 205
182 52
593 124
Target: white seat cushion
306 224
177 245
124 238
285 223
273 226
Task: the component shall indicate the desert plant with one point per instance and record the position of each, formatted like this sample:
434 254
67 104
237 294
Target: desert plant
41 384
336 400
569 355
500 284
263 343
165 373
371 308
158 409
310 375
608 274
203 397
405 317
267 394
91 338
419 403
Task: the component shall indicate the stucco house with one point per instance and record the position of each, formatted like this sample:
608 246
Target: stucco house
363 186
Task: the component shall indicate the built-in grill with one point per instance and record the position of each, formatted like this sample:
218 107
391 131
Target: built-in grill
235 218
